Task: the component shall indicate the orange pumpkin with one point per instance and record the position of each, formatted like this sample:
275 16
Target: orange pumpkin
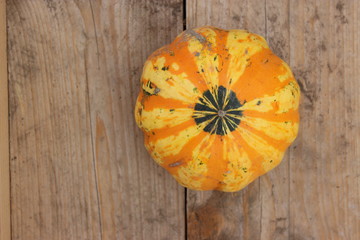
217 108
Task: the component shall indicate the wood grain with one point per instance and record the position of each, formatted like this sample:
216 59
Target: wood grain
78 166
4 132
324 166
53 184
138 199
274 186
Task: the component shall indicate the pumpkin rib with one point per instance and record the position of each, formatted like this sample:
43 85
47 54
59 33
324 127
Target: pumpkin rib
270 154
202 44
214 175
263 73
252 153
277 130
238 162
173 162
216 54
159 118
192 173
277 144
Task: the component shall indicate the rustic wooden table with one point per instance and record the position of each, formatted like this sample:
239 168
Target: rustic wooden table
77 162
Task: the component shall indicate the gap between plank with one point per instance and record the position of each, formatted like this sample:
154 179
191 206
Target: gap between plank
5 217
185 191
184 15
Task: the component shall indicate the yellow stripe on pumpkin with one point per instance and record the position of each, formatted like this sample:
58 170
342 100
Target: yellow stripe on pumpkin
161 118
256 169
289 98
287 72
138 110
237 174
201 45
286 131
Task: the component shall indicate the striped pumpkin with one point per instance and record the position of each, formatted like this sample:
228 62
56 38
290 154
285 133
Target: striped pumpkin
217 108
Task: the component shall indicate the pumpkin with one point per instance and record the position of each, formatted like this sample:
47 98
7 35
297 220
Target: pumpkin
217 108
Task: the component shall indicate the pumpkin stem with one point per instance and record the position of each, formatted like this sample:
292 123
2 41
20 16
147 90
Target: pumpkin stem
221 113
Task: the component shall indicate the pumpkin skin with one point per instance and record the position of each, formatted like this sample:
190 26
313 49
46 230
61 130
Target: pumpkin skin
217 108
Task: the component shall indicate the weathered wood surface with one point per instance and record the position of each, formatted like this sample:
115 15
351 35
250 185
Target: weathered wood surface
78 166
4 132
325 165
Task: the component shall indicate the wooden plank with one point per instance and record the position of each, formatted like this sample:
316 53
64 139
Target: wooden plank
78 166
4 132
275 184
53 186
325 167
211 214
138 199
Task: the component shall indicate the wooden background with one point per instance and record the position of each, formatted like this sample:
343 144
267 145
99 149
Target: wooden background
77 162
4 132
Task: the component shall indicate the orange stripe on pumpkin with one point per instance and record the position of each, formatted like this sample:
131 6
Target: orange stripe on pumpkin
223 55
272 116
151 102
256 158
260 77
215 165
